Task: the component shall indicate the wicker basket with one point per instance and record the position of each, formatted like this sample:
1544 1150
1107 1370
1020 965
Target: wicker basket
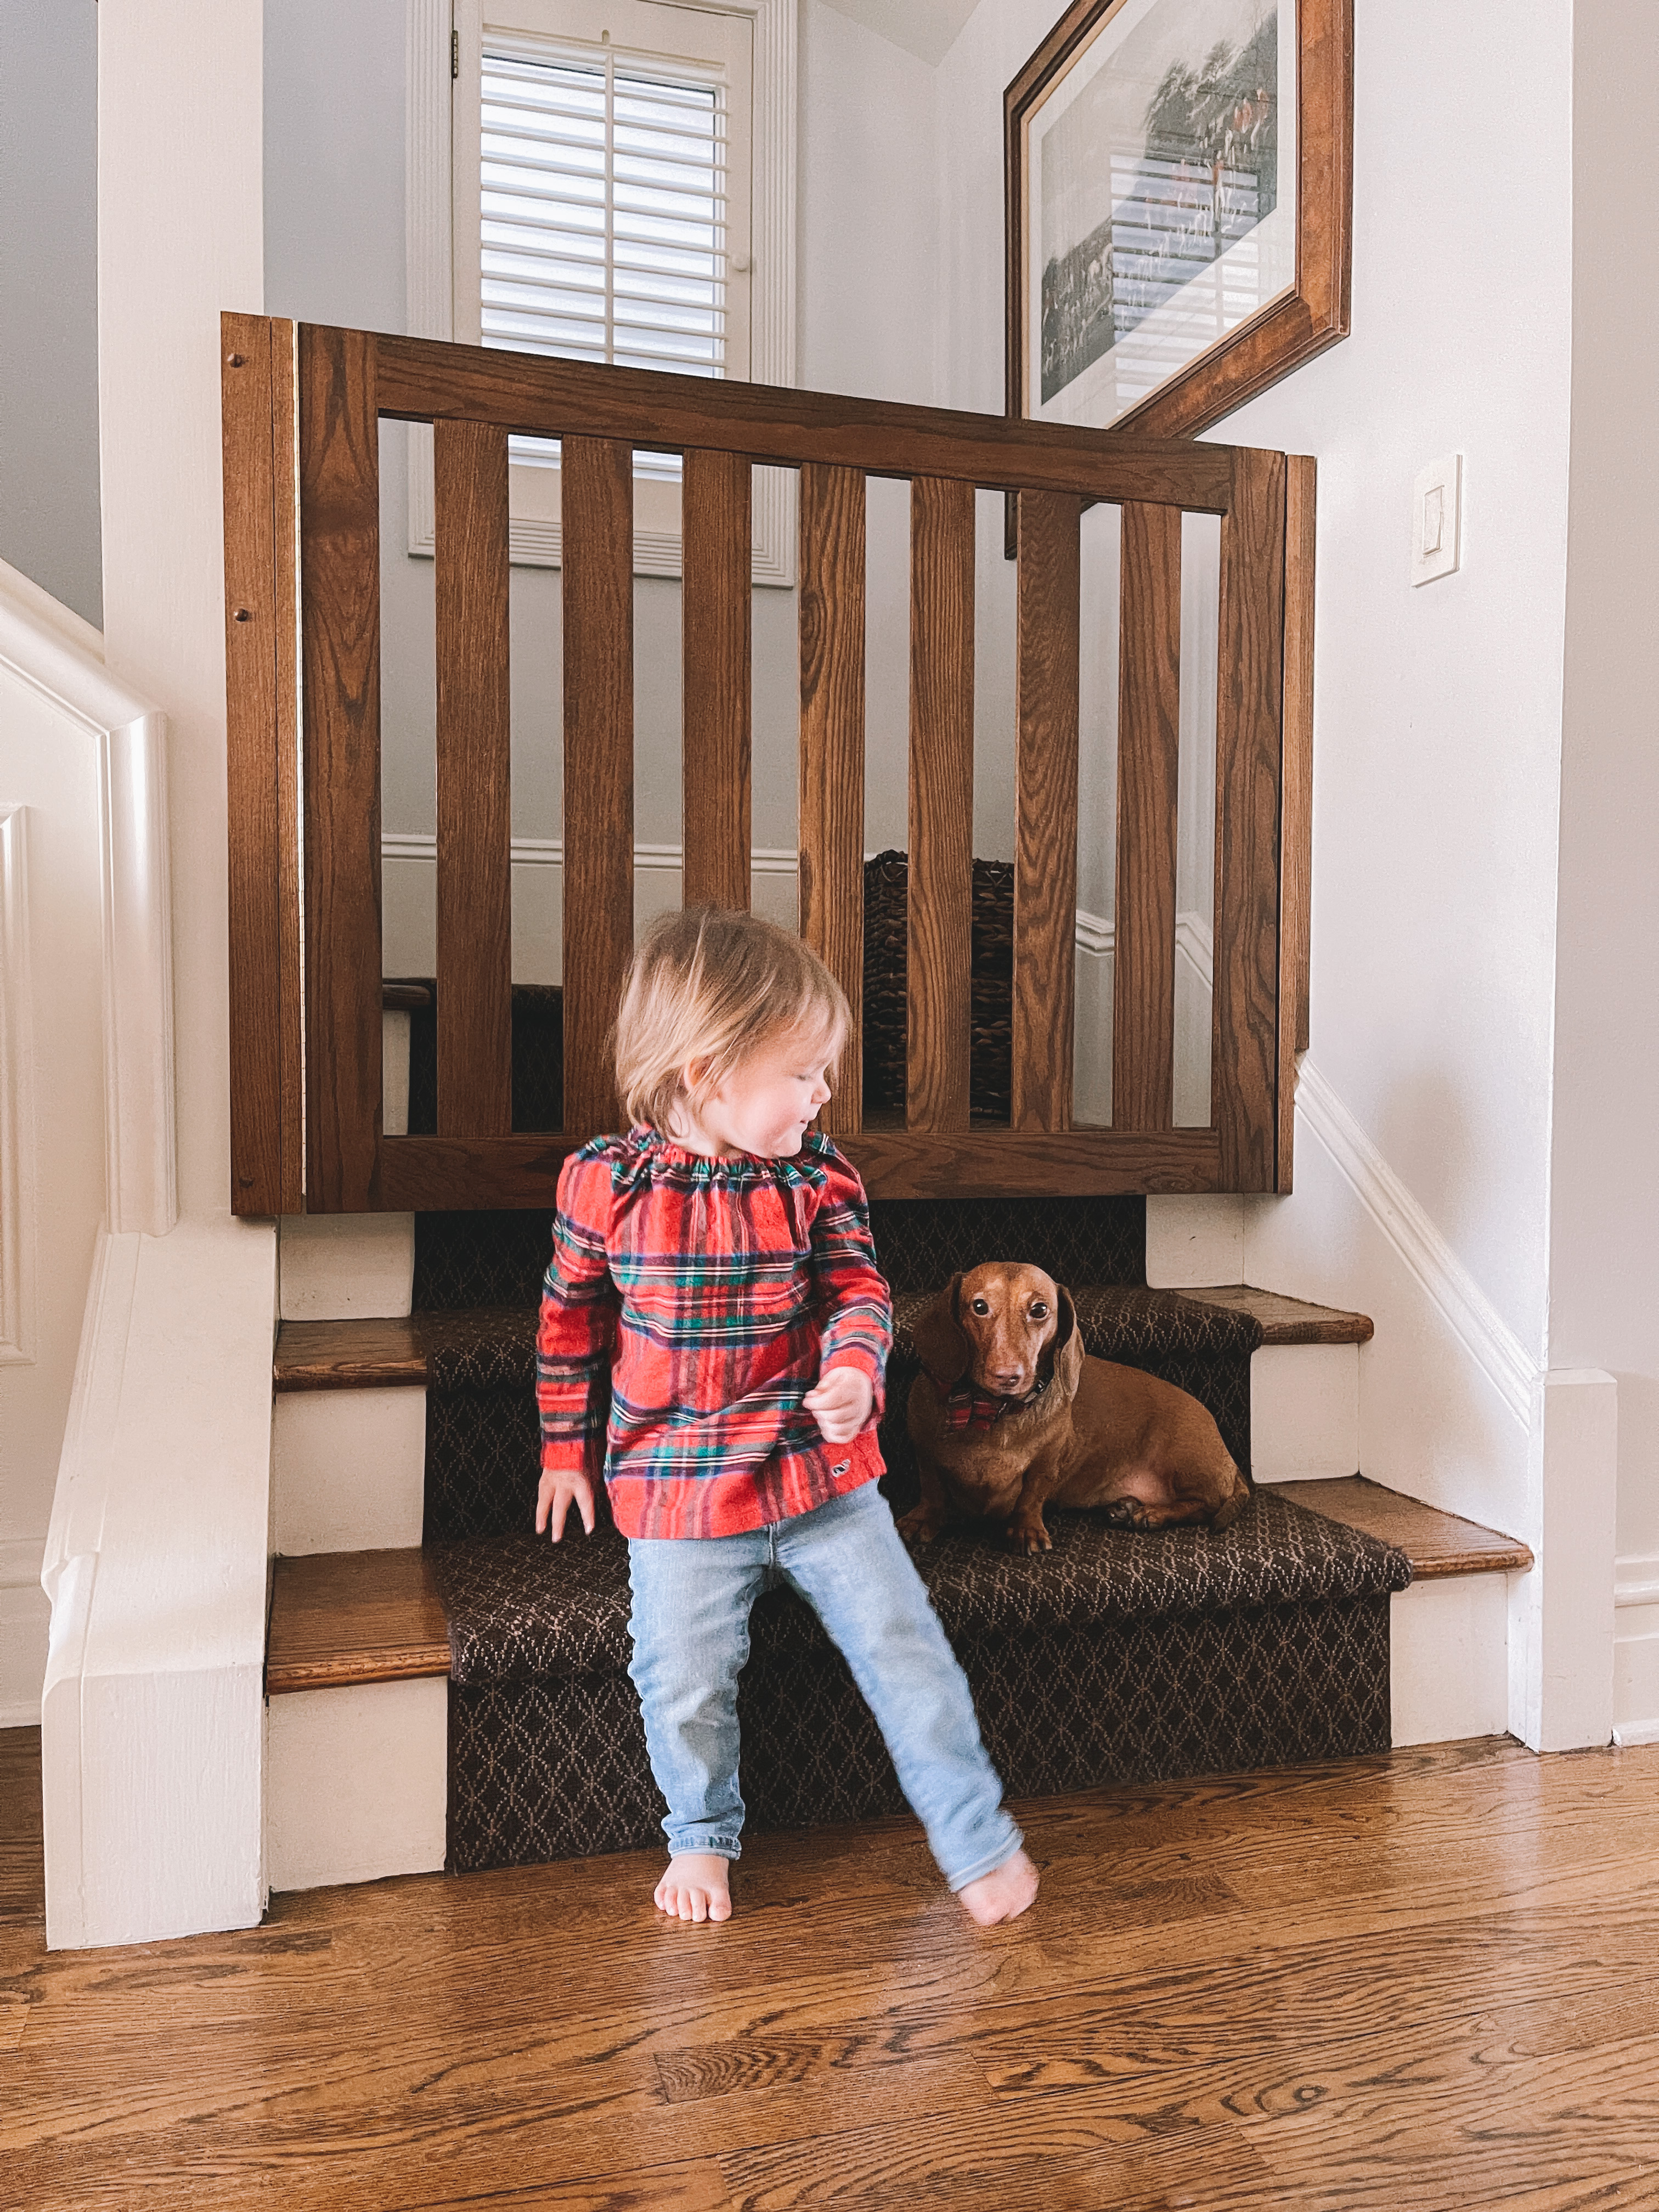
886 957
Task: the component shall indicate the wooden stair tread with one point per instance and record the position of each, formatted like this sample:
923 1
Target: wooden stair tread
365 1355
339 1618
1289 1321
1435 1543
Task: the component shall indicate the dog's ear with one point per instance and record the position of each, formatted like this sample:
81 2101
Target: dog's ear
941 1343
1066 1349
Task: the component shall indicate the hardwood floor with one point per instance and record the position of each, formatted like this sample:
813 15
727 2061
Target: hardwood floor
1426 1980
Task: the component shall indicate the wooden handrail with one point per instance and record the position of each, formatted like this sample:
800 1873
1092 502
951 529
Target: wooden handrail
302 412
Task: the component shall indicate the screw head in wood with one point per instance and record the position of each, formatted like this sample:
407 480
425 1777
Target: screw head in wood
244 614
237 361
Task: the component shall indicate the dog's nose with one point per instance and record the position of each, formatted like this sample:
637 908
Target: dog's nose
1007 1378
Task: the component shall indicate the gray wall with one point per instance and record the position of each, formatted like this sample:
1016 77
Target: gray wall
335 251
49 523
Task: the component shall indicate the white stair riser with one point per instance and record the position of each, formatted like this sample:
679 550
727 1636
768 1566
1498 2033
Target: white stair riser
355 1783
1304 1412
1194 1243
346 1266
1450 1659
348 1470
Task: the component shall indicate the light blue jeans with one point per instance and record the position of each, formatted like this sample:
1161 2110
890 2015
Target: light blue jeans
690 1628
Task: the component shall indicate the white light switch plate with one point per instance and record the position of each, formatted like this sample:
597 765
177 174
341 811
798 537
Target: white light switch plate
1437 519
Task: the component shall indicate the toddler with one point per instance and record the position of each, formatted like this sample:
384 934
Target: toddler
714 1284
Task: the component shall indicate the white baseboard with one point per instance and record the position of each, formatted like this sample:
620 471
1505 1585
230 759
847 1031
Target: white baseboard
1419 1244
357 1782
348 1470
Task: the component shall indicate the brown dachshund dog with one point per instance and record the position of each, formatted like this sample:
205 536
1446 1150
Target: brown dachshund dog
1008 1415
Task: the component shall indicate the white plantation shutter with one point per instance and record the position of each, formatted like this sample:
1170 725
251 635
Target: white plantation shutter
602 213
609 161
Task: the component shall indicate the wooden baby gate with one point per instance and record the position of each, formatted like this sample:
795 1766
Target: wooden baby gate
301 412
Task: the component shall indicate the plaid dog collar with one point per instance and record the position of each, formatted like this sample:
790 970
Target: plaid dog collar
968 1408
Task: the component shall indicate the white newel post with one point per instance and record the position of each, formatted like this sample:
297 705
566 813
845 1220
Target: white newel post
157 1563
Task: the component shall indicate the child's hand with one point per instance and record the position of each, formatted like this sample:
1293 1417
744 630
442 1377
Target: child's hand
840 1402
555 1497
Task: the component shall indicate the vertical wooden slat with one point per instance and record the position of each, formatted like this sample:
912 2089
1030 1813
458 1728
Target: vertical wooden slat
1244 1050
340 597
475 888
714 609
290 825
831 870
251 735
941 872
1045 807
1148 765
1296 800
597 501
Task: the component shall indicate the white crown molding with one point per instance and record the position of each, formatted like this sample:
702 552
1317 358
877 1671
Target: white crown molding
1502 1357
55 654
19 1257
535 542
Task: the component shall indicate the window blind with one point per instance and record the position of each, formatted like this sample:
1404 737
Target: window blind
602 213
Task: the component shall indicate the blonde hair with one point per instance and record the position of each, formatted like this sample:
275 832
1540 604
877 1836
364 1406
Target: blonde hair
709 984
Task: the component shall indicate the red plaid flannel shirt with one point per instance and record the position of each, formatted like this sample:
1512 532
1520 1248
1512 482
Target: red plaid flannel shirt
687 1307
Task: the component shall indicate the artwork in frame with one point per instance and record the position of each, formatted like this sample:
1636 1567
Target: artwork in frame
1179 185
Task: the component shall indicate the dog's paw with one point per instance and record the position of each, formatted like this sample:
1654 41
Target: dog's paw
919 1526
1124 1513
1030 1536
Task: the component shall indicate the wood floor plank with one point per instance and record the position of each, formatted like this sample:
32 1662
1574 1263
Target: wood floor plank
1404 1982
962 2160
22 1867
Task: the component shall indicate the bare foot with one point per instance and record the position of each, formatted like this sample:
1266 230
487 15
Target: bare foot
1002 1894
697 1886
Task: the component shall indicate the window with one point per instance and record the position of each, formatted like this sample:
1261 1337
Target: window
616 172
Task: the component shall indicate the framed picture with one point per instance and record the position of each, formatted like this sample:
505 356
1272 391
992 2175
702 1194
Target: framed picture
1179 201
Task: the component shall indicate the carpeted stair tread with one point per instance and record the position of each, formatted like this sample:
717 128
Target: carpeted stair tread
521 1609
482 1452
379 1354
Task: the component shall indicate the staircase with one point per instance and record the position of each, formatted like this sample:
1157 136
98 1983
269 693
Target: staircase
444 1690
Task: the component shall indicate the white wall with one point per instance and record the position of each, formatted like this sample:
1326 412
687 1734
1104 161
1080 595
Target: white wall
49 298
1423 1179
1604 1255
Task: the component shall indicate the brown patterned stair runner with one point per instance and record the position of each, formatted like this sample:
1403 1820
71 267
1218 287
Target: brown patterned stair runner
1114 1658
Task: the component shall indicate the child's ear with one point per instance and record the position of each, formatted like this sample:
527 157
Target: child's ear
941 1343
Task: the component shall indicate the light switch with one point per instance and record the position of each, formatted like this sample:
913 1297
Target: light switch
1438 518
